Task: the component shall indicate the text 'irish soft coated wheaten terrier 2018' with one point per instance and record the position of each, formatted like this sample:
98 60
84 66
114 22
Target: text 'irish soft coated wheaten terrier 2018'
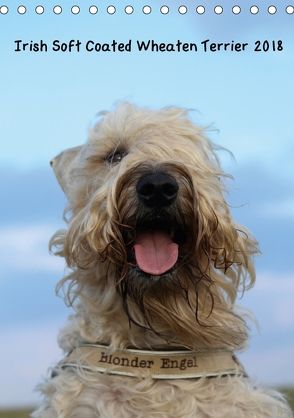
156 262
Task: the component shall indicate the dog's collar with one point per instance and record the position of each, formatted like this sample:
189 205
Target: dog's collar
181 364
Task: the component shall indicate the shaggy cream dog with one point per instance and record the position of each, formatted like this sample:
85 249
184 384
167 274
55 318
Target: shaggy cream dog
155 262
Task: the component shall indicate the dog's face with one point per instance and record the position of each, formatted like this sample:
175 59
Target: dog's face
146 200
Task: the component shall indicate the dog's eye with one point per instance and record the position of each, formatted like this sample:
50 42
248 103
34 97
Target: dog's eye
115 157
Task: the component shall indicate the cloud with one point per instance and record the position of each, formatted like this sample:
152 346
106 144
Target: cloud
25 248
30 196
27 353
267 282
271 301
270 366
282 209
28 275
255 183
260 199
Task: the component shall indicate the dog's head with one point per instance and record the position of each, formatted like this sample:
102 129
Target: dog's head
147 201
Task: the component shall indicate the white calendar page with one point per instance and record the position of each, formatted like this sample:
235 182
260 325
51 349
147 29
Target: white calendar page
60 64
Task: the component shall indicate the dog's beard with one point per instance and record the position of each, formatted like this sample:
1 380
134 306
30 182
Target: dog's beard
140 286
146 296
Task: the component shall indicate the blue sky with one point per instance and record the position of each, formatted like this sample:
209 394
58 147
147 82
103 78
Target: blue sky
47 102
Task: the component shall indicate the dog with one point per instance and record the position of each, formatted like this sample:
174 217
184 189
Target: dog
155 265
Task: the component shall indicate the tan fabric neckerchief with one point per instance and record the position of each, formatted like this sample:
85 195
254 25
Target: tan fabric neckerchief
180 364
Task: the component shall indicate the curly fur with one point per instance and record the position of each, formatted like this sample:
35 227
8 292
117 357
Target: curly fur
192 306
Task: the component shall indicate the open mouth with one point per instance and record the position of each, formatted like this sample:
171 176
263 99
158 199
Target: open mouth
157 244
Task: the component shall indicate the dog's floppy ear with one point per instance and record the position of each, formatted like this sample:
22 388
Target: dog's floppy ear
63 165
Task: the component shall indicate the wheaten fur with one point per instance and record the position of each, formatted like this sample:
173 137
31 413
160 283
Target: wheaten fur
192 308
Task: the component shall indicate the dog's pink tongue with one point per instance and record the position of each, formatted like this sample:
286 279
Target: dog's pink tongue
155 252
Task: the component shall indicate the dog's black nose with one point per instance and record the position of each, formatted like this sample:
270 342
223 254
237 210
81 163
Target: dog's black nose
157 189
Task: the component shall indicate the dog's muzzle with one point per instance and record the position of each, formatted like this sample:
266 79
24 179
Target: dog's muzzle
155 249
